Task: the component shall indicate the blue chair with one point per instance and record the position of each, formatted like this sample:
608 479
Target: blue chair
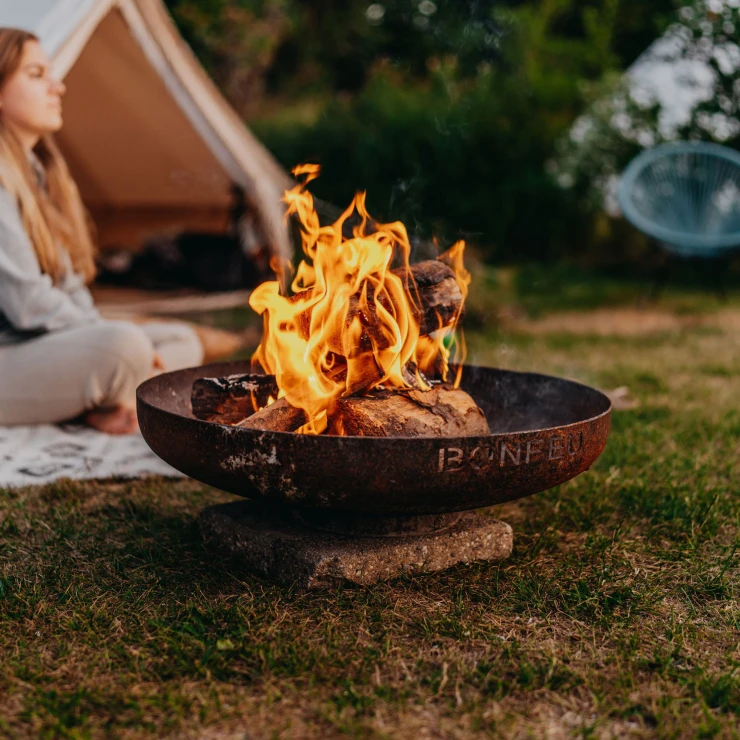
686 196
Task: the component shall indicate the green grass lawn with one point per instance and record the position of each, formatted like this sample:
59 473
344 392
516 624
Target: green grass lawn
616 616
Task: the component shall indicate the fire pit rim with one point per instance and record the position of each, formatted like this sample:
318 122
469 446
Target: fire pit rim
386 476
234 429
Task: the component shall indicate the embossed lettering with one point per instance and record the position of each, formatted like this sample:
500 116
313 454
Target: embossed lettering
533 449
481 457
557 448
450 460
575 443
505 449
454 459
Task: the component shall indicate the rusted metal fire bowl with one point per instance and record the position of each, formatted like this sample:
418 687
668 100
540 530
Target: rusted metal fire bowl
545 431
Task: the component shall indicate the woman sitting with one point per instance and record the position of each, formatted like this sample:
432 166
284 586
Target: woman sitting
58 358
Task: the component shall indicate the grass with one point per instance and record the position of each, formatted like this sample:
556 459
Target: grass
616 616
536 290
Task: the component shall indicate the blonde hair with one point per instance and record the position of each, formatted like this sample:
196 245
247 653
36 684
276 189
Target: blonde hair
53 214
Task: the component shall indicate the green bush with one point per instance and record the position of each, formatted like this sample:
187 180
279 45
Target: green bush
449 159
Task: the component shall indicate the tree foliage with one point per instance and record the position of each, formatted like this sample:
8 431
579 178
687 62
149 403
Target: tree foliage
446 111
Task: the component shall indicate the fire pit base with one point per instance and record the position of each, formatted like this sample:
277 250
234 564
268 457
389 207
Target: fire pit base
278 546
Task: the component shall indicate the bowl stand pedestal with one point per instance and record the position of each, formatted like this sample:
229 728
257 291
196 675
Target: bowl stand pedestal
312 549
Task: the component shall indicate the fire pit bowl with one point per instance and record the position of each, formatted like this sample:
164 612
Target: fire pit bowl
545 431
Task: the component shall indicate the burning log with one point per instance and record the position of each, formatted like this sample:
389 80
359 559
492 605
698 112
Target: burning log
430 284
277 417
436 301
229 400
438 292
439 412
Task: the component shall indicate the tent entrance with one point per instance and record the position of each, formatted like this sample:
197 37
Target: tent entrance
141 166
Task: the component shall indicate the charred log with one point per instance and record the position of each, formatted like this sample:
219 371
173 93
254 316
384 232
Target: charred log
439 412
231 399
436 297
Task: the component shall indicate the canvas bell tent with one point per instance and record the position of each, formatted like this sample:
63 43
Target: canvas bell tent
153 145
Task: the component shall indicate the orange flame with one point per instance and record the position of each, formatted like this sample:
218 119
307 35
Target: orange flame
351 324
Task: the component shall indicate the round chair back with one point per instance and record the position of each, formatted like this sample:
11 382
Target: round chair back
686 196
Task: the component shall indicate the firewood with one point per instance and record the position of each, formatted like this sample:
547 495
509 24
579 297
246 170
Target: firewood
436 300
440 412
231 399
362 372
437 292
234 398
279 416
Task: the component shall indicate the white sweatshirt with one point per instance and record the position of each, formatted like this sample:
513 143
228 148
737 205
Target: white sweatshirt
30 303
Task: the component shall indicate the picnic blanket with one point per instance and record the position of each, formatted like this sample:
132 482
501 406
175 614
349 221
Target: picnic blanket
34 455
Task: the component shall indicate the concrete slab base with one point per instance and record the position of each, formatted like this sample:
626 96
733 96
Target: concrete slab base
288 552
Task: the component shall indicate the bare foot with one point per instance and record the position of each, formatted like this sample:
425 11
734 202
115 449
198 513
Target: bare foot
118 420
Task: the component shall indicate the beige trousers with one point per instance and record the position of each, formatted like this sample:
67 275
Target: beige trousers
59 375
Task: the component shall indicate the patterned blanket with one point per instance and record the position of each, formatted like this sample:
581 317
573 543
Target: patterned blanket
34 455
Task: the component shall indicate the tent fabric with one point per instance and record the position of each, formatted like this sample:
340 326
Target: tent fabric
152 143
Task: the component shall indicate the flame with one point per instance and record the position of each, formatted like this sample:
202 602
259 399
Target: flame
350 324
453 257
